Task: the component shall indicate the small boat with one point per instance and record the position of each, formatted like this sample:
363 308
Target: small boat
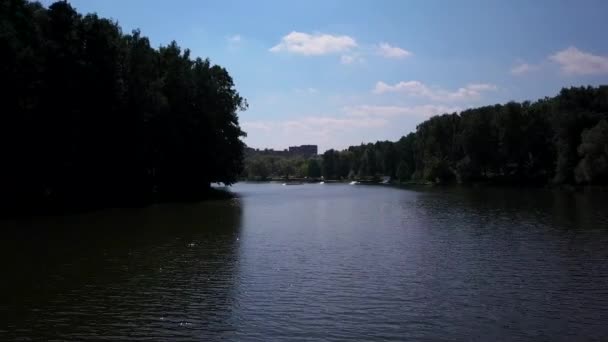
322 183
353 183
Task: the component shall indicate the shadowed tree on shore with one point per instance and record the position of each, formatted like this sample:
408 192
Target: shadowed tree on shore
92 116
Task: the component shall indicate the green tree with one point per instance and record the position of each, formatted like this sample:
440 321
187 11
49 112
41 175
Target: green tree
594 150
328 168
92 116
314 169
404 171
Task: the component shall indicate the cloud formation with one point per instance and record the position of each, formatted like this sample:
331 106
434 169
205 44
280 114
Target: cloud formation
325 131
573 61
420 112
388 51
419 89
351 59
351 125
314 44
524 68
235 38
309 90
315 124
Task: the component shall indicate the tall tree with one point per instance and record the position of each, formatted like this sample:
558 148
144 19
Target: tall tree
93 116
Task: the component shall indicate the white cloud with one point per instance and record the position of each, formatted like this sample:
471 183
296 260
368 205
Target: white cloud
409 87
573 61
346 59
388 51
314 44
351 59
325 131
480 87
424 111
419 89
235 38
309 90
523 68
315 123
349 125
256 125
338 123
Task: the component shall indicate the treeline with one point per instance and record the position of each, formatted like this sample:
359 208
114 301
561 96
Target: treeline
560 140
90 115
261 167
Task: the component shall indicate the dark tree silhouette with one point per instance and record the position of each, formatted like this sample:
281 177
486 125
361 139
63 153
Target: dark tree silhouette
92 116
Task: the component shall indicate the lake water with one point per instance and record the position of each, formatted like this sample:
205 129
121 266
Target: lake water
315 262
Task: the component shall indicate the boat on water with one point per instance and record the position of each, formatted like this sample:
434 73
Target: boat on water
354 183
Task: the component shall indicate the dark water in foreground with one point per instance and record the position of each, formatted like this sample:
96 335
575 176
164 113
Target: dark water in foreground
315 263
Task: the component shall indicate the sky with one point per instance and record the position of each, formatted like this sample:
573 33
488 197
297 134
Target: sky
341 73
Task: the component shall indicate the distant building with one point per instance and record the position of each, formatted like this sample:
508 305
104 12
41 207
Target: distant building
304 150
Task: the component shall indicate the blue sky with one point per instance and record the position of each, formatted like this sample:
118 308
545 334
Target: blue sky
338 73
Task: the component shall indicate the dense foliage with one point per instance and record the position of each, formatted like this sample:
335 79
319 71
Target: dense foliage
92 115
267 166
561 140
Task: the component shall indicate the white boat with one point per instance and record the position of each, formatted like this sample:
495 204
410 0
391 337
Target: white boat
354 183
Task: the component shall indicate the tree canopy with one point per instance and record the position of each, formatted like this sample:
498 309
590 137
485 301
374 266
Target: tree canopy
560 140
262 167
93 115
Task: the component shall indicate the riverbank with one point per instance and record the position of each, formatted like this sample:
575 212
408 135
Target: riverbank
481 184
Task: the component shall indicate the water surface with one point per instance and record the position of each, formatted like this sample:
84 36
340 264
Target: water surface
316 262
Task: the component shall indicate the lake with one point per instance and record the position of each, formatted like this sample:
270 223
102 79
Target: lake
314 262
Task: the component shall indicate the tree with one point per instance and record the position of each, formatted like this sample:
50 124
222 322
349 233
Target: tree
594 150
555 139
368 163
329 164
479 142
404 171
258 169
92 116
314 169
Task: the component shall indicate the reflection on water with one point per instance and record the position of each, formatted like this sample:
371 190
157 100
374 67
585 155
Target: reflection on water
318 263
120 274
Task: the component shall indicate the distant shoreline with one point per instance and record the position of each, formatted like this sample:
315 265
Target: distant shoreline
486 184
